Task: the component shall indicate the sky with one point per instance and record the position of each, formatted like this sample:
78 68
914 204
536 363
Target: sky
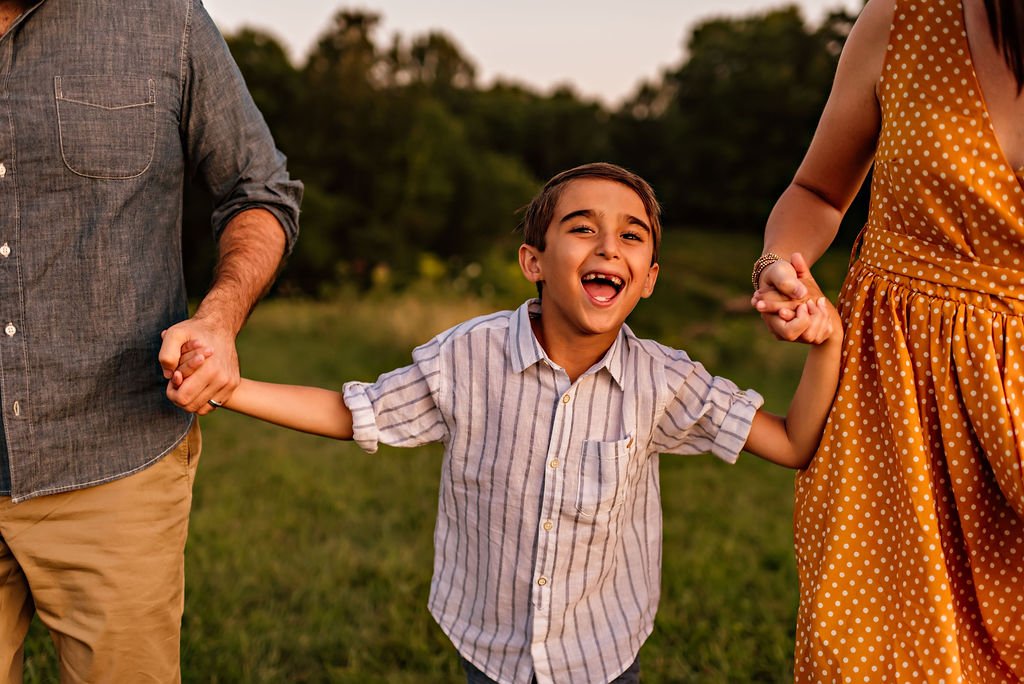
603 48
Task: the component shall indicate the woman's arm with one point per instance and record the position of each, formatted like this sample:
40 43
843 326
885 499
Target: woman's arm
807 215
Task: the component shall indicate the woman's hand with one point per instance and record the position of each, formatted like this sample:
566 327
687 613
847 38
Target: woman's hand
784 287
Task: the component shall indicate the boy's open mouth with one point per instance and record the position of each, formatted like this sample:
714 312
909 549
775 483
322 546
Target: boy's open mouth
602 286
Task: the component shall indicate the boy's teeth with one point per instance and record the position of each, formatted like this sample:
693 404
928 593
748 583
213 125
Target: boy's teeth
615 280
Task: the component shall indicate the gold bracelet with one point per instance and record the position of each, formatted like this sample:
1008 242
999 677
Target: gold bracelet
763 262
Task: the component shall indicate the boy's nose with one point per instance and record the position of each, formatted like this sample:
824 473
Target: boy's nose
608 247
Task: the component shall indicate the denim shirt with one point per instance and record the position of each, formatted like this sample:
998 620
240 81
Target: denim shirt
105 109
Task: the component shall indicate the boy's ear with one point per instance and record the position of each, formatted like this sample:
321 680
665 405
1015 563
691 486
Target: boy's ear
529 262
652 277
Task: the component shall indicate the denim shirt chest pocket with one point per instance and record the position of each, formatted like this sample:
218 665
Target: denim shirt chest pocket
603 475
107 124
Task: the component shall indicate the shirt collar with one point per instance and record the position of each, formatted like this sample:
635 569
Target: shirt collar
524 350
23 16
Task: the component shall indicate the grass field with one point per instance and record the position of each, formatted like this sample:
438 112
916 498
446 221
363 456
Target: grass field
310 561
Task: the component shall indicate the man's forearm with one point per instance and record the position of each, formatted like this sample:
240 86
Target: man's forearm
250 252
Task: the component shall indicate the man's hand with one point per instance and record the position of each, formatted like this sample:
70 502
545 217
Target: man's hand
249 253
200 363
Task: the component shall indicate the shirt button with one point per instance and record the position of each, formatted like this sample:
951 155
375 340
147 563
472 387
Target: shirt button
5 250
10 330
548 525
17 408
565 399
553 464
3 170
542 581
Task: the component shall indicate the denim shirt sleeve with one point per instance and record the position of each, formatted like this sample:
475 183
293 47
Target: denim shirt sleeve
102 125
228 145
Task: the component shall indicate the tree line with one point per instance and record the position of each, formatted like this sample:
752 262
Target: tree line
410 164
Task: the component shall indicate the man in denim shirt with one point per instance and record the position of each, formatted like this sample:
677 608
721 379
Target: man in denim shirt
105 110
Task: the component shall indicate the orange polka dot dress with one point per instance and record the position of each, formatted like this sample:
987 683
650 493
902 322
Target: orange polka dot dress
909 523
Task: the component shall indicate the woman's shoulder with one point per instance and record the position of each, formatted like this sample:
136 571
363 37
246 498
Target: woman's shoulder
877 16
864 53
869 37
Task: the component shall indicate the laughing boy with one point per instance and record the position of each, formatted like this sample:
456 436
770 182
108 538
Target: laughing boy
547 561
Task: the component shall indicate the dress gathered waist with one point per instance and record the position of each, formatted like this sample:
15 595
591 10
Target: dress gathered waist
938 271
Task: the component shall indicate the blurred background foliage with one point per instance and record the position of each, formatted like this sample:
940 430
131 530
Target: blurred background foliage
410 164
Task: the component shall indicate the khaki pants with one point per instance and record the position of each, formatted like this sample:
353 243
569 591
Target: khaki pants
104 569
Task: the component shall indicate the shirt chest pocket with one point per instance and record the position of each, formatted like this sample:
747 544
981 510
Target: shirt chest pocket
603 475
107 124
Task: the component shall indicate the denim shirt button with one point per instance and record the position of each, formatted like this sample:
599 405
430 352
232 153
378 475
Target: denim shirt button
17 408
3 170
5 250
10 330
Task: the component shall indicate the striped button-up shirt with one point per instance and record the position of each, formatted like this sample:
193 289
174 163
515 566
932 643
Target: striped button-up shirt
547 547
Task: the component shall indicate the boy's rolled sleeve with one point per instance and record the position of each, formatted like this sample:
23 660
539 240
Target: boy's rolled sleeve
735 426
364 423
707 414
400 408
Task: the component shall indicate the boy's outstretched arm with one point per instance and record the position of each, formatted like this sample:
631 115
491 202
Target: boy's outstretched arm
792 440
307 409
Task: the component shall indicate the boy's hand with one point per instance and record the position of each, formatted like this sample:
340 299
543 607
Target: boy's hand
193 354
818 320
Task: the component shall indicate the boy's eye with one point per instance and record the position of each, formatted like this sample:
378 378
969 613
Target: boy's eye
581 229
633 235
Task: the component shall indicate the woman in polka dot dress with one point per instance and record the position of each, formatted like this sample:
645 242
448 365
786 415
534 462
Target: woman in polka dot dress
909 523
